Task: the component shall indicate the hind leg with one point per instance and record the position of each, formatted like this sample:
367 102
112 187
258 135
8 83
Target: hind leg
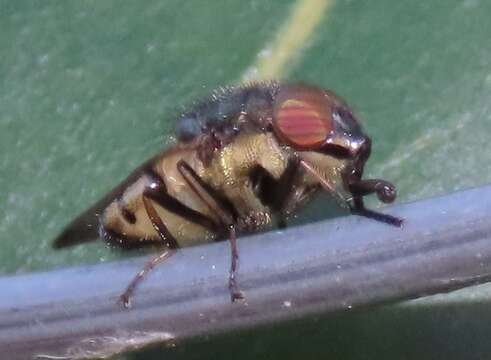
156 193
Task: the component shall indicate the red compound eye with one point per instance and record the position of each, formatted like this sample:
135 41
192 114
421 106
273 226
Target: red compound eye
302 117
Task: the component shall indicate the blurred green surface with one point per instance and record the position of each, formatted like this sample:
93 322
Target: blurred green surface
90 89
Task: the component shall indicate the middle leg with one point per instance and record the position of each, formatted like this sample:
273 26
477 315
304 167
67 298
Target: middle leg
225 212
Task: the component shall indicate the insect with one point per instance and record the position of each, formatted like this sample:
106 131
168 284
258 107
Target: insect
245 159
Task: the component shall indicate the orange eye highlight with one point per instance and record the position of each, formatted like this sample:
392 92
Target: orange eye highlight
302 117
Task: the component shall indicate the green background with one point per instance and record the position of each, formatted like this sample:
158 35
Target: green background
90 89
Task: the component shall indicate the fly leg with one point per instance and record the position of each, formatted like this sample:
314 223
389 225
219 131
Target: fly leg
359 208
125 298
386 193
157 193
235 293
224 210
166 237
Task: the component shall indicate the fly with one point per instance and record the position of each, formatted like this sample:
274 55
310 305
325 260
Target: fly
246 159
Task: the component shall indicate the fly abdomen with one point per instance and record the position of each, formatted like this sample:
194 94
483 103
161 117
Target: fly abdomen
159 208
125 221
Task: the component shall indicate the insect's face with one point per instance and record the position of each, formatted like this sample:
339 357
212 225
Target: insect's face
312 119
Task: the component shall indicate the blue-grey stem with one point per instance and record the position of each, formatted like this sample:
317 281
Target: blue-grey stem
325 267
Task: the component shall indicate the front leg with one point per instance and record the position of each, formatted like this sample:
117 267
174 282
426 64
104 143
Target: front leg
386 192
358 208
